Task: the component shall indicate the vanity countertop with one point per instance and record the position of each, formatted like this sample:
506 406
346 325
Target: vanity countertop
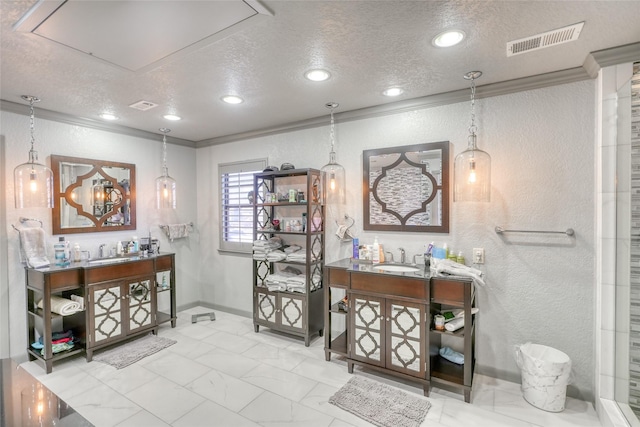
107 262
352 265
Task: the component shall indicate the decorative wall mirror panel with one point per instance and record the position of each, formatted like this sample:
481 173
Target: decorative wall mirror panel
92 195
407 188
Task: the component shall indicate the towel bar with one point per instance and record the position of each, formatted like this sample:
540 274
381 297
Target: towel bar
568 231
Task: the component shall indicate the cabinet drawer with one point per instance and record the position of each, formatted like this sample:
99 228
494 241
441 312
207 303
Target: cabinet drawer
59 280
118 271
338 276
448 290
164 263
390 285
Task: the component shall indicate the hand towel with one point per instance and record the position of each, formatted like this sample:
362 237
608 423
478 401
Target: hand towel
178 231
455 269
344 232
32 241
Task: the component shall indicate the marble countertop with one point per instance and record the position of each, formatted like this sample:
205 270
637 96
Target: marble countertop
368 267
26 402
353 265
96 262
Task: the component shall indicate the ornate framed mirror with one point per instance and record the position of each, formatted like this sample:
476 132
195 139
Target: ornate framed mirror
92 195
407 188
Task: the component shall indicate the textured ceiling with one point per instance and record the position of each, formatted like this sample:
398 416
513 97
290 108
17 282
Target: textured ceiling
366 45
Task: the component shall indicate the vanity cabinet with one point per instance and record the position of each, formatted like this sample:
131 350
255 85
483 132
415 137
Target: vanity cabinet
121 301
288 289
42 322
388 325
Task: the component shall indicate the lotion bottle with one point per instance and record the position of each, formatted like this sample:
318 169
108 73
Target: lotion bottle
375 251
119 248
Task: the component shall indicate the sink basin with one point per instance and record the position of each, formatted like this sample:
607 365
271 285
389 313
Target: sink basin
103 261
396 268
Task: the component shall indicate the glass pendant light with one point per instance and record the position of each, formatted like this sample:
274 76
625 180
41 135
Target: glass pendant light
334 176
165 185
33 182
472 168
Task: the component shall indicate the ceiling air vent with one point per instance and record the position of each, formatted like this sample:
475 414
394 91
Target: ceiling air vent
548 39
143 105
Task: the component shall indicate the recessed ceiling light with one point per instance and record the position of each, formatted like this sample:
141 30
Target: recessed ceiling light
317 75
448 38
232 99
393 91
172 117
108 116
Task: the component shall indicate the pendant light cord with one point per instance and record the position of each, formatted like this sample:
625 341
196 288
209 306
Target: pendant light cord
332 106
165 131
473 75
32 122
473 128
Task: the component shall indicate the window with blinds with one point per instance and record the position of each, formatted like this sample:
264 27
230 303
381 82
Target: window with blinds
236 211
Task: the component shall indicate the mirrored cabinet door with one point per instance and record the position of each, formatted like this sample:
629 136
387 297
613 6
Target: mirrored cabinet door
367 320
106 311
292 311
140 304
406 332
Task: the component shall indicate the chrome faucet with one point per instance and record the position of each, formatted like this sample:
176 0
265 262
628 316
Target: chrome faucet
401 255
101 250
390 254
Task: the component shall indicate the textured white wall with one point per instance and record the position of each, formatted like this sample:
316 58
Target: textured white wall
540 288
63 139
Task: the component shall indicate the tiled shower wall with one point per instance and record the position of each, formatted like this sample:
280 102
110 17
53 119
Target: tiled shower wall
634 267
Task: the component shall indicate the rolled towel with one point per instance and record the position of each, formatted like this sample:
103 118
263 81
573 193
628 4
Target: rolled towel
62 306
454 324
452 355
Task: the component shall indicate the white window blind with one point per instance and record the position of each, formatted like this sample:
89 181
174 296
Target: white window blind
236 212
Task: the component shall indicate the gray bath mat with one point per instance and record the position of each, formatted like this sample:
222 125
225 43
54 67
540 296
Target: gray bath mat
381 404
126 354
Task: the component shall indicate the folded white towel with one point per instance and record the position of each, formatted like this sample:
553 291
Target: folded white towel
62 306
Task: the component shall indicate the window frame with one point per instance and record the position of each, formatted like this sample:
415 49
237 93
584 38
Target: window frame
239 195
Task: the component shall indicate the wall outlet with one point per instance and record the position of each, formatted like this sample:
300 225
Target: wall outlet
478 255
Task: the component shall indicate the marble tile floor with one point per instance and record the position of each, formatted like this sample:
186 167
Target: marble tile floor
222 373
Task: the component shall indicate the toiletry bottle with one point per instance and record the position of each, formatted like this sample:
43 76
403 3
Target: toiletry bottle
460 258
130 247
356 251
119 248
76 252
446 251
136 246
58 249
452 256
375 251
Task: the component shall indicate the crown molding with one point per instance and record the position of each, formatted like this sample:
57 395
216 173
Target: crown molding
17 108
454 97
613 56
